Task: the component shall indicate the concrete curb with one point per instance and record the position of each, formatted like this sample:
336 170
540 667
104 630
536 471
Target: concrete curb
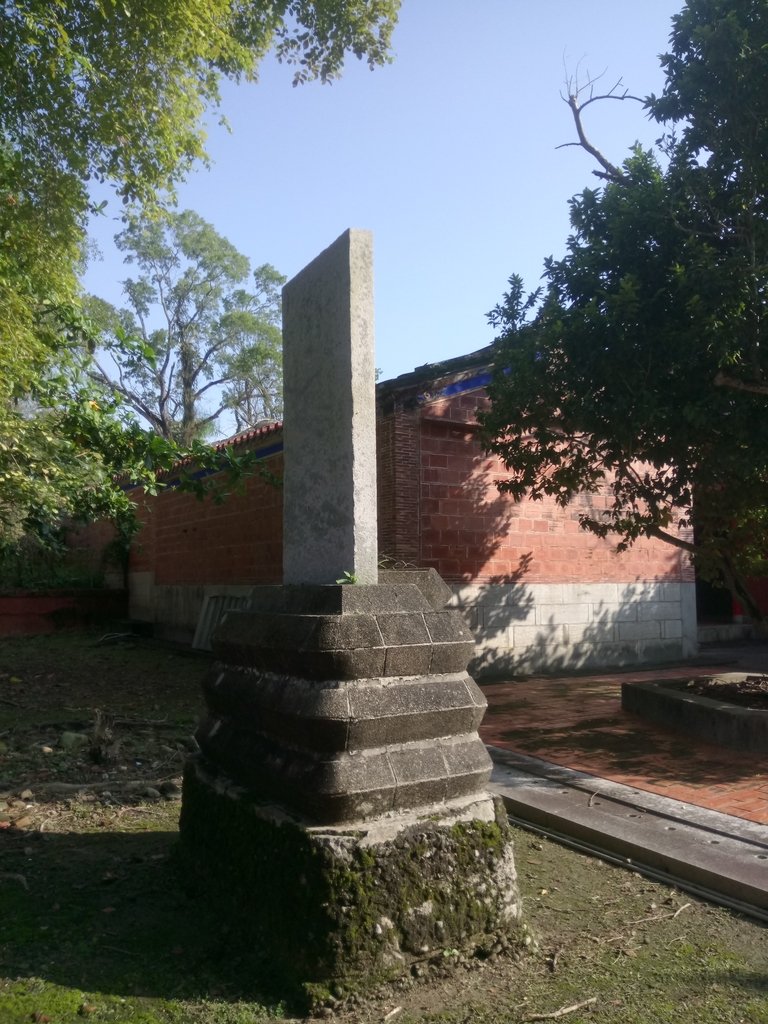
714 854
667 702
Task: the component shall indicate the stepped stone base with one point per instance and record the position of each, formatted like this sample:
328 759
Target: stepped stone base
337 813
342 909
342 750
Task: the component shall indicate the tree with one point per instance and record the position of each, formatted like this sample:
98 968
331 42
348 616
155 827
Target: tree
714 92
639 369
112 92
202 335
116 91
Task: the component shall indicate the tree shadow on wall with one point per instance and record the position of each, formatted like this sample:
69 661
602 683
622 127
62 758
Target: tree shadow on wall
616 636
503 599
516 641
503 602
489 513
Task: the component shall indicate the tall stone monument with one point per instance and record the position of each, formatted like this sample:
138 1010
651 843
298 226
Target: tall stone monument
329 504
338 810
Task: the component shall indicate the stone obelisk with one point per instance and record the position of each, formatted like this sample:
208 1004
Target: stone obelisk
338 806
329 504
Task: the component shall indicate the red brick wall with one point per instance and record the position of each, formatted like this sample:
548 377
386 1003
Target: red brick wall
385 480
88 544
185 540
438 506
472 533
142 556
398 438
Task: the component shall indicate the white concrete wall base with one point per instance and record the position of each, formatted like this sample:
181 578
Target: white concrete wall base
551 627
519 628
175 609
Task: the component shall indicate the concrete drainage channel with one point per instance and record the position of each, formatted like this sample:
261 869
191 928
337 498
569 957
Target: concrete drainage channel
716 856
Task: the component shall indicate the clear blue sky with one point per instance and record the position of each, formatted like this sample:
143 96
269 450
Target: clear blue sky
448 155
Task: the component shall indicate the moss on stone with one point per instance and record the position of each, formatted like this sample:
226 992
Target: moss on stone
338 916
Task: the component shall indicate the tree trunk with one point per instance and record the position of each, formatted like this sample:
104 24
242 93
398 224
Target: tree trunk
189 417
740 591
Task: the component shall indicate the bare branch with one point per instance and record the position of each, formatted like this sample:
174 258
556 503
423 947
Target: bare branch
612 94
133 400
211 384
610 170
562 1012
724 380
576 104
209 353
212 416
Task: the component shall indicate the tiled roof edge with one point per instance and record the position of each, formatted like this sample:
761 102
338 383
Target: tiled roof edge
433 372
249 435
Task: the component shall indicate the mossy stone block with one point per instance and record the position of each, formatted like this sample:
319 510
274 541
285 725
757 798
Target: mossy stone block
337 910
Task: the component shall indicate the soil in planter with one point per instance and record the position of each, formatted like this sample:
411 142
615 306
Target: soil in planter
750 692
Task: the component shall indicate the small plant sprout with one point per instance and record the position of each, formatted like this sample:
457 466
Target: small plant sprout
347 577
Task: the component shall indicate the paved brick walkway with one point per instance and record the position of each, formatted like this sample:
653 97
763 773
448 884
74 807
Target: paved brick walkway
578 722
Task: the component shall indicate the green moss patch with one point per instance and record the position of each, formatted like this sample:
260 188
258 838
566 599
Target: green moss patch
338 915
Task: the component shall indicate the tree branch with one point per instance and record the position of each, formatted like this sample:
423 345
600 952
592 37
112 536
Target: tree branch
675 541
610 171
210 418
724 380
211 384
208 354
133 400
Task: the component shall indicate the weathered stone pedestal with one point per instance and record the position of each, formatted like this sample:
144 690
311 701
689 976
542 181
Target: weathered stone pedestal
338 807
337 813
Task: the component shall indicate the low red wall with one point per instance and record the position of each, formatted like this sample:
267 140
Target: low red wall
33 613
438 506
187 540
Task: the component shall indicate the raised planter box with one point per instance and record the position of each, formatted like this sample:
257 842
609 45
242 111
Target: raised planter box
31 613
668 703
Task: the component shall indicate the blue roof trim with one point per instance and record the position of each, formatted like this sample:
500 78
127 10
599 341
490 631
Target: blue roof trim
201 474
458 387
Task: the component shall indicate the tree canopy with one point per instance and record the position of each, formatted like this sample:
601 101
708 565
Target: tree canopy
201 334
640 368
116 91
113 93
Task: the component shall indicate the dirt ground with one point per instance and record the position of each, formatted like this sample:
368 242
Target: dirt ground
750 692
96 924
115 715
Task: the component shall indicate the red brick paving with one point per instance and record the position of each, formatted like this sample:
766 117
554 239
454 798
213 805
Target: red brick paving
579 723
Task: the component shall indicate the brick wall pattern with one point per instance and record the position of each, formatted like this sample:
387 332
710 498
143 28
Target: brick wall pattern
539 592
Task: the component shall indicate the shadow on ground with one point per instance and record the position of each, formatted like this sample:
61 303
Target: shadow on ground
108 913
580 723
